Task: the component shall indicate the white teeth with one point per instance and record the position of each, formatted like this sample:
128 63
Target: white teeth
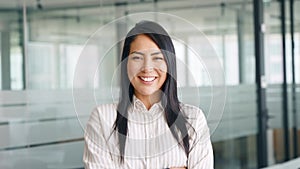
147 79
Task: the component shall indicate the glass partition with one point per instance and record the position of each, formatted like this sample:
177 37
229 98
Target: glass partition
296 5
275 77
48 48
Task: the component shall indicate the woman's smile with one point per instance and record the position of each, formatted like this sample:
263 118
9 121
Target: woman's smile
147 78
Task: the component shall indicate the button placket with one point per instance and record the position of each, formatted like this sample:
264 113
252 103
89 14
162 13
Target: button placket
149 119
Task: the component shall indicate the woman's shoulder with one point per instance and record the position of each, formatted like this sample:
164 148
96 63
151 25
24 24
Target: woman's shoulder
106 112
192 113
105 108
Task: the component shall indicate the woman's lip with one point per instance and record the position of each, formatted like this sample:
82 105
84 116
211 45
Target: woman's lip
147 78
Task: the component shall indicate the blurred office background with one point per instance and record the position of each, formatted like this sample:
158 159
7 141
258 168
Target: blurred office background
42 42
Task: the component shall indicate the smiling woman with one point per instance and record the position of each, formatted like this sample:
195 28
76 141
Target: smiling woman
149 127
147 70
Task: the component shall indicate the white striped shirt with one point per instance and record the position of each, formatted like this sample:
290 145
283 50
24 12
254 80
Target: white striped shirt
149 142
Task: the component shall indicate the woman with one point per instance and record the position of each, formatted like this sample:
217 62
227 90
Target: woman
149 128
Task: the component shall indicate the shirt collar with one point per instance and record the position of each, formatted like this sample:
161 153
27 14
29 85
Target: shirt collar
139 105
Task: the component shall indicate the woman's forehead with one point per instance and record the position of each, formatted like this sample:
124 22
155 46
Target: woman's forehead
146 51
143 42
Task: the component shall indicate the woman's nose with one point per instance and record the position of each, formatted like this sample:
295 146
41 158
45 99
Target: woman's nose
147 66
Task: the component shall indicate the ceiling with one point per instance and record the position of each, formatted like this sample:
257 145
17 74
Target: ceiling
59 4
80 18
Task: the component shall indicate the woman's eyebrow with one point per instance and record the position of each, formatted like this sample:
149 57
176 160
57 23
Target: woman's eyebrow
136 52
141 53
156 53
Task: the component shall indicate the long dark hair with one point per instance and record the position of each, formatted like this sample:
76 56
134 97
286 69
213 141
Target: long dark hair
174 117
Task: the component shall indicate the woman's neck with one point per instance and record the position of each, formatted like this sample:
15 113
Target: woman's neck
149 100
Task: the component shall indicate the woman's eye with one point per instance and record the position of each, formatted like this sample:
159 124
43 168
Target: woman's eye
158 58
136 57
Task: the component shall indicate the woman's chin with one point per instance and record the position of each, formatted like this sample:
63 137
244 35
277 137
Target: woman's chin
145 93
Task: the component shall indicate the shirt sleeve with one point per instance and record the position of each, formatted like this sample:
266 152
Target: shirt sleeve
201 152
96 154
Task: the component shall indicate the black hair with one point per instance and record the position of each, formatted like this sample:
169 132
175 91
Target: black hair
173 115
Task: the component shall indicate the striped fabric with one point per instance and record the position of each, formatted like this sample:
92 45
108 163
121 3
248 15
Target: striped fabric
149 143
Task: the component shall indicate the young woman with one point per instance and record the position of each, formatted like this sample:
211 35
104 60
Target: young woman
149 128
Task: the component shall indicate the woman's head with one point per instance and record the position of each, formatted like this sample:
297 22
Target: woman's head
148 62
146 68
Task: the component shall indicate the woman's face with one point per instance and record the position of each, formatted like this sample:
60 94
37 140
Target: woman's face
147 68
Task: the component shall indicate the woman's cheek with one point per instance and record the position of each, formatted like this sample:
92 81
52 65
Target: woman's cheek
133 70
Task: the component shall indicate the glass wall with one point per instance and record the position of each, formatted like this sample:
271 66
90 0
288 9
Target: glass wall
60 59
274 74
296 26
283 108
